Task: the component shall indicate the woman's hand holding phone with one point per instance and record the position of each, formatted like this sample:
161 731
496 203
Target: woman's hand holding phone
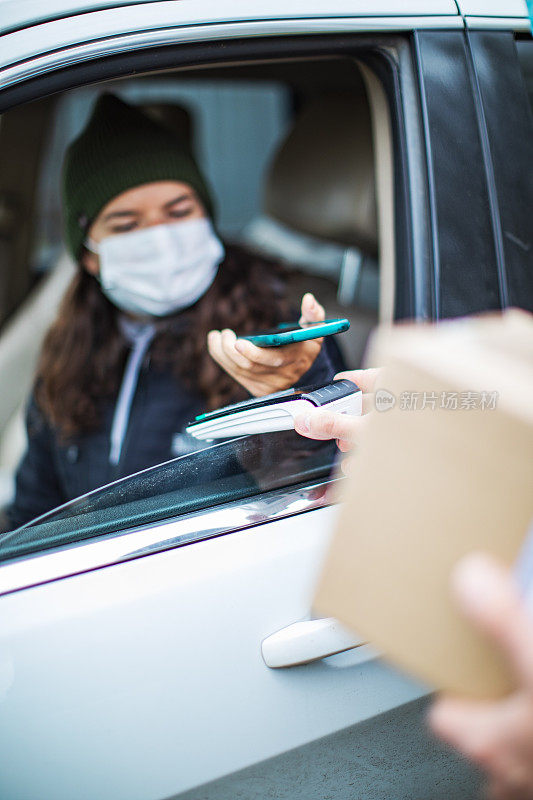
263 371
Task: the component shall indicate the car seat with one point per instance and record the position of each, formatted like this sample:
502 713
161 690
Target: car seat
20 344
320 199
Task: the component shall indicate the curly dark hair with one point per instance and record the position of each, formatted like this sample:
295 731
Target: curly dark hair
84 352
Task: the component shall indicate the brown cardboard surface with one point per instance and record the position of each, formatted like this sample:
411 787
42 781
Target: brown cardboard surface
429 486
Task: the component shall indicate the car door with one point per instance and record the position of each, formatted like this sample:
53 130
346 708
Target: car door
131 660
132 664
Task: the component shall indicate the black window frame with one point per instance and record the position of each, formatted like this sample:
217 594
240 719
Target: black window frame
389 56
481 181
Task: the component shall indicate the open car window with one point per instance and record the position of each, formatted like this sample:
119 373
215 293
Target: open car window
219 473
246 123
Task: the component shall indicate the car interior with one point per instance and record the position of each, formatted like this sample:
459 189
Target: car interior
298 154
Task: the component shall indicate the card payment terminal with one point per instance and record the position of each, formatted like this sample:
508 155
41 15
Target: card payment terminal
276 412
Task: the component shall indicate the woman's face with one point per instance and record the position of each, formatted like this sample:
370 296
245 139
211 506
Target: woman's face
150 204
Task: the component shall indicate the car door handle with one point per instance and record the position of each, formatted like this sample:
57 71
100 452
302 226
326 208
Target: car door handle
307 641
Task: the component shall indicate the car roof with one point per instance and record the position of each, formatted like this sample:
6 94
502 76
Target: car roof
493 8
22 14
15 14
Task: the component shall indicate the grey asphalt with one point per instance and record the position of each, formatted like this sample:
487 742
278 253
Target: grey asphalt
390 757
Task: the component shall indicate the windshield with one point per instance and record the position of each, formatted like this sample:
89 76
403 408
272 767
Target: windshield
216 474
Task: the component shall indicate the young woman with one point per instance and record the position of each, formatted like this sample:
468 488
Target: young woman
146 336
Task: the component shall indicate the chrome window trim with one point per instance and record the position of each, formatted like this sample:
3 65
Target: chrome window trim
19 14
116 45
141 541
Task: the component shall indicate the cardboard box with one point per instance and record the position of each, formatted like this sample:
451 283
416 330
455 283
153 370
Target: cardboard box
431 483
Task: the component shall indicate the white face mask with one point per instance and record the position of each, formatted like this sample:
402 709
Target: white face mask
160 269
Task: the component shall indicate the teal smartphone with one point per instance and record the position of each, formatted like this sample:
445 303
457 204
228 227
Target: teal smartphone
290 332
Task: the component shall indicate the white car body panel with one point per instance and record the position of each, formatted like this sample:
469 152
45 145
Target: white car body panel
110 665
492 8
493 15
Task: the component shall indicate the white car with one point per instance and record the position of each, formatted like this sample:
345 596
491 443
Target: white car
156 636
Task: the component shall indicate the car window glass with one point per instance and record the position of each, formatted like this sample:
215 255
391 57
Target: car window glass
218 473
240 125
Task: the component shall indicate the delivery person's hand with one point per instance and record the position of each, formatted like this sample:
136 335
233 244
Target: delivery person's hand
498 735
263 370
323 424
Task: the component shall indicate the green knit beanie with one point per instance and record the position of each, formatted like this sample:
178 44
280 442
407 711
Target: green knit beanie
120 148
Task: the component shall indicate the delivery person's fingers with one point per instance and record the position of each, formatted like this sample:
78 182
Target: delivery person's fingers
489 598
467 725
321 424
368 403
495 734
364 378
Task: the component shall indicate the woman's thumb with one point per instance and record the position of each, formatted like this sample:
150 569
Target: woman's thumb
312 311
